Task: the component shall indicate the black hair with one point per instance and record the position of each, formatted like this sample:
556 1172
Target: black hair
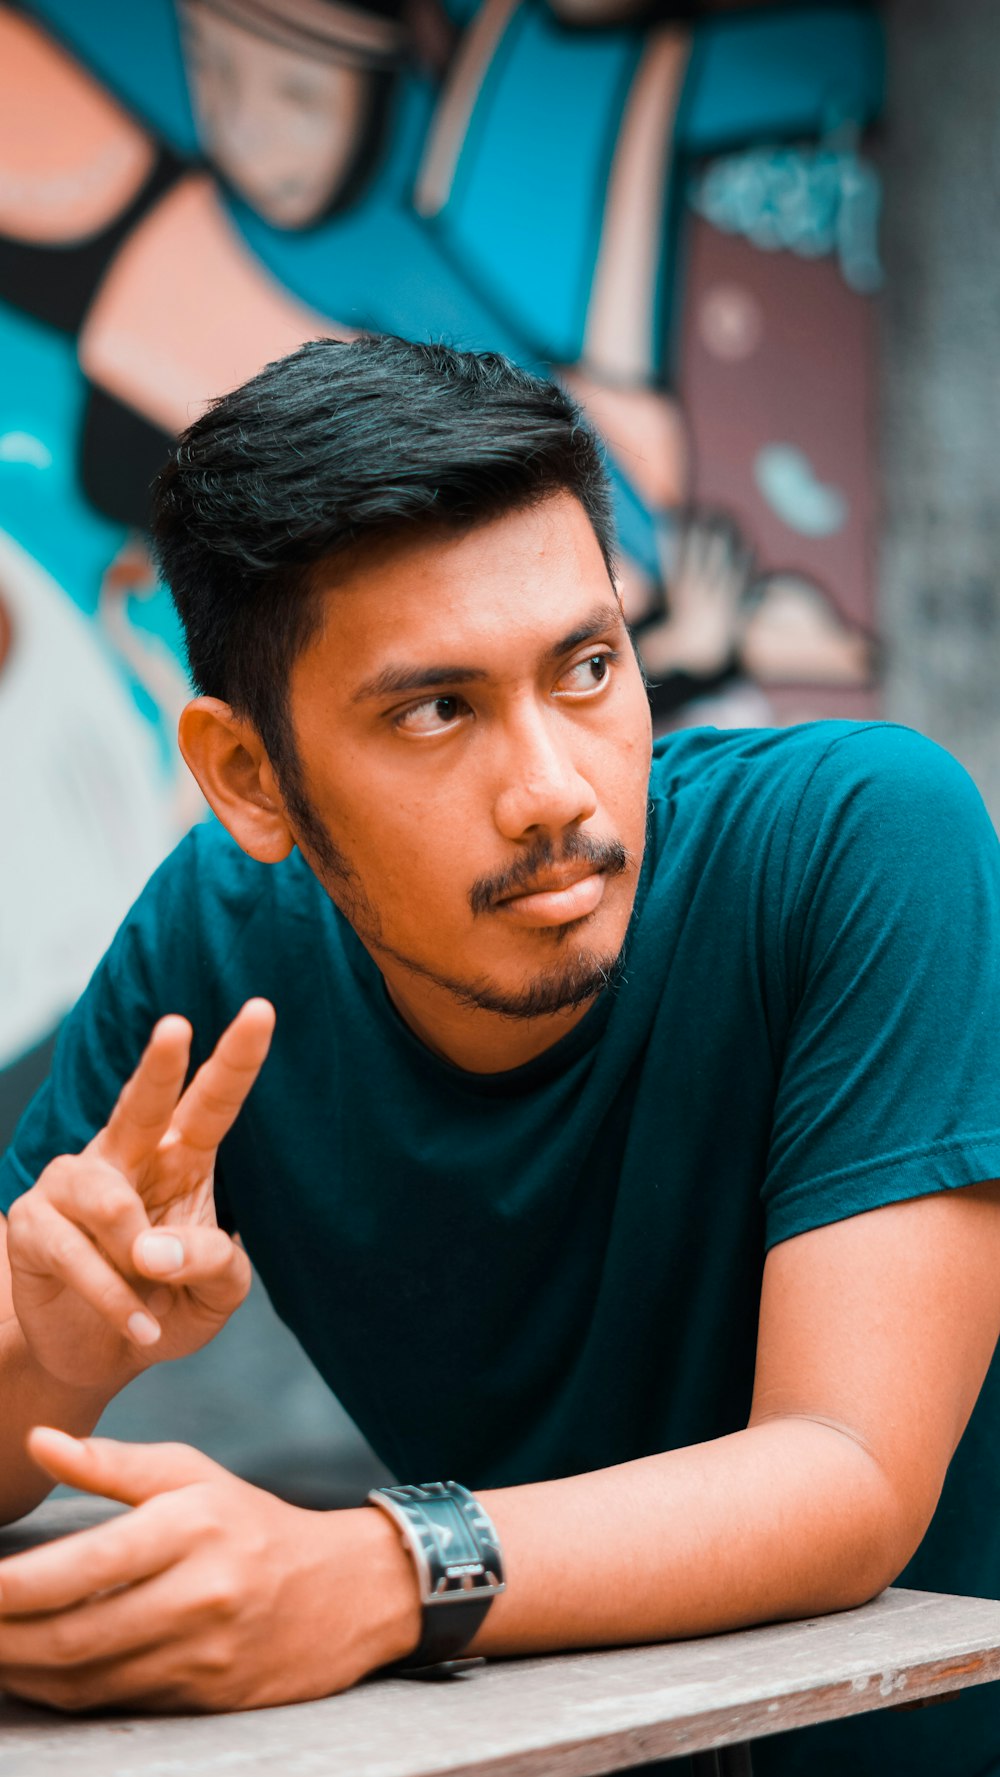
341 444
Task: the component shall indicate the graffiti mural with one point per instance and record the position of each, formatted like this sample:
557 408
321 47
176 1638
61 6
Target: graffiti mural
669 208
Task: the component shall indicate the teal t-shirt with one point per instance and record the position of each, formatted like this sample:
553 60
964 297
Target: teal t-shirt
542 1272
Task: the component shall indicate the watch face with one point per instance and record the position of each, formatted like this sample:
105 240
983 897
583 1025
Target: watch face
456 1545
450 1538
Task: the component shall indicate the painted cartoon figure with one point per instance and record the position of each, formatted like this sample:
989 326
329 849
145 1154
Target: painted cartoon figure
292 99
229 179
78 748
296 100
534 119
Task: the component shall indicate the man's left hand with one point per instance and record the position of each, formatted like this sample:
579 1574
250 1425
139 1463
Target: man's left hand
210 1595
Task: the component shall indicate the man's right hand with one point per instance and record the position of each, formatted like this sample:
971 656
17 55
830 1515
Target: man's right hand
117 1260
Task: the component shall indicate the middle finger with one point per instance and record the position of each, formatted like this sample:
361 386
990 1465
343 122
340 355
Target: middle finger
60 1575
153 1681
216 1095
102 1630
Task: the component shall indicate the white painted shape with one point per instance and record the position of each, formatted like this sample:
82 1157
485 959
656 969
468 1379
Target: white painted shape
24 447
84 808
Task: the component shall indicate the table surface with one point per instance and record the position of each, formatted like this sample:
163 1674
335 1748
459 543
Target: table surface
571 1715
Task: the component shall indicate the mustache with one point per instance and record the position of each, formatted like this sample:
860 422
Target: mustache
607 855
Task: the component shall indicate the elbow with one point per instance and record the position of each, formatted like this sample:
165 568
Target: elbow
865 1521
894 1550
884 1529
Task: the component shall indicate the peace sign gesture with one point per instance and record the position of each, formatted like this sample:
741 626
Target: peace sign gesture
117 1260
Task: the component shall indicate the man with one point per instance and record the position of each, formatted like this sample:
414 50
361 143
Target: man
606 1153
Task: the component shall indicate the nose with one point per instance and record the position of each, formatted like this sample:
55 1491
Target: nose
541 787
240 132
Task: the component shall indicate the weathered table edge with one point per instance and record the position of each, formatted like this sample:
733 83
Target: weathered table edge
616 1747
620 1749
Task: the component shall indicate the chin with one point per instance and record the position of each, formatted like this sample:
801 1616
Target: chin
575 981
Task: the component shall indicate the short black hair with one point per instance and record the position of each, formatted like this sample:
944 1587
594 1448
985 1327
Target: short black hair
343 443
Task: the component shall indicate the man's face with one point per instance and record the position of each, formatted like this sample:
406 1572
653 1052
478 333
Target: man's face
281 126
474 738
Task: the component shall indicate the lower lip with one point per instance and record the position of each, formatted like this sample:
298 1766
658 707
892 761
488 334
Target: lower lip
556 907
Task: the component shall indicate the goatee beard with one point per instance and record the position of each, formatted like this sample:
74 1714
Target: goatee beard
580 979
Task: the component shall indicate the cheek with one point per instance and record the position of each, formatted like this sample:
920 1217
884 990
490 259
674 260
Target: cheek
625 768
407 850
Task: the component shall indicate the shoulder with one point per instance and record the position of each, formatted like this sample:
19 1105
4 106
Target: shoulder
207 889
813 759
205 866
891 782
736 768
214 928
800 809
889 828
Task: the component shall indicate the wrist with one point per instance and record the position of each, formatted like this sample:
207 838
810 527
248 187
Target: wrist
75 1406
31 1396
457 1559
394 1615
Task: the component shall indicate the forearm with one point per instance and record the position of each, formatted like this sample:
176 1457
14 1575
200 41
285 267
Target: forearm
786 1519
30 1396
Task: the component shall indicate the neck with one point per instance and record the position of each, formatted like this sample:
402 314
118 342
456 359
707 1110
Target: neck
480 1042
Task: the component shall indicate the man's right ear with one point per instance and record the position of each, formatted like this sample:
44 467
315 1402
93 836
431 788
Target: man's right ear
227 756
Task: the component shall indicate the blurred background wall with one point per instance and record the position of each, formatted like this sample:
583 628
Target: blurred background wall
939 584
767 270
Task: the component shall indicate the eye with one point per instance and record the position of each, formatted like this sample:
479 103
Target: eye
297 92
434 716
588 676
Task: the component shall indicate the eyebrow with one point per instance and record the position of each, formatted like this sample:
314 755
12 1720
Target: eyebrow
603 617
395 679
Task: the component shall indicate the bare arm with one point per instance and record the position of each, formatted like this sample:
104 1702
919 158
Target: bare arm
113 1260
30 1394
866 1376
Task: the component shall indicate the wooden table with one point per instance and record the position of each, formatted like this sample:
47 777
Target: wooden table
575 1714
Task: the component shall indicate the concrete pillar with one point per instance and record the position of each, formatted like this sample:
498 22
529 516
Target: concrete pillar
941 378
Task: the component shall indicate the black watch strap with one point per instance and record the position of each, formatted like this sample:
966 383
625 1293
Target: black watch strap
456 1552
447 1630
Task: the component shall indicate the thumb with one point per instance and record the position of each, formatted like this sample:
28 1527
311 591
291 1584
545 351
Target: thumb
130 1473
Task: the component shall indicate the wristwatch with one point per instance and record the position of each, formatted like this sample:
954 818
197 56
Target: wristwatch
456 1551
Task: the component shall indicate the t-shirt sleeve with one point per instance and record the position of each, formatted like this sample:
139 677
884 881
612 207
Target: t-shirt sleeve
147 972
888 943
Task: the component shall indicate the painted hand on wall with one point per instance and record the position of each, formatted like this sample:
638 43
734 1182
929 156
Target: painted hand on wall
537 201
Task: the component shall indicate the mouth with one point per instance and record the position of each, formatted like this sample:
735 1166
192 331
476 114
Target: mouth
557 899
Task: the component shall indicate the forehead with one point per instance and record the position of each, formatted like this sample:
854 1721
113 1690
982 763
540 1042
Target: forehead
287 68
236 39
528 575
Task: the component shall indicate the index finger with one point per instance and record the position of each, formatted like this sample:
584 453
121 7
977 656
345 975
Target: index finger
148 1100
216 1095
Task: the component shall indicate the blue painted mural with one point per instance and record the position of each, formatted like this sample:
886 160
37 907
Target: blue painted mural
668 208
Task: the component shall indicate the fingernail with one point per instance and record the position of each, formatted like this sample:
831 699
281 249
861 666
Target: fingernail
161 1253
143 1329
